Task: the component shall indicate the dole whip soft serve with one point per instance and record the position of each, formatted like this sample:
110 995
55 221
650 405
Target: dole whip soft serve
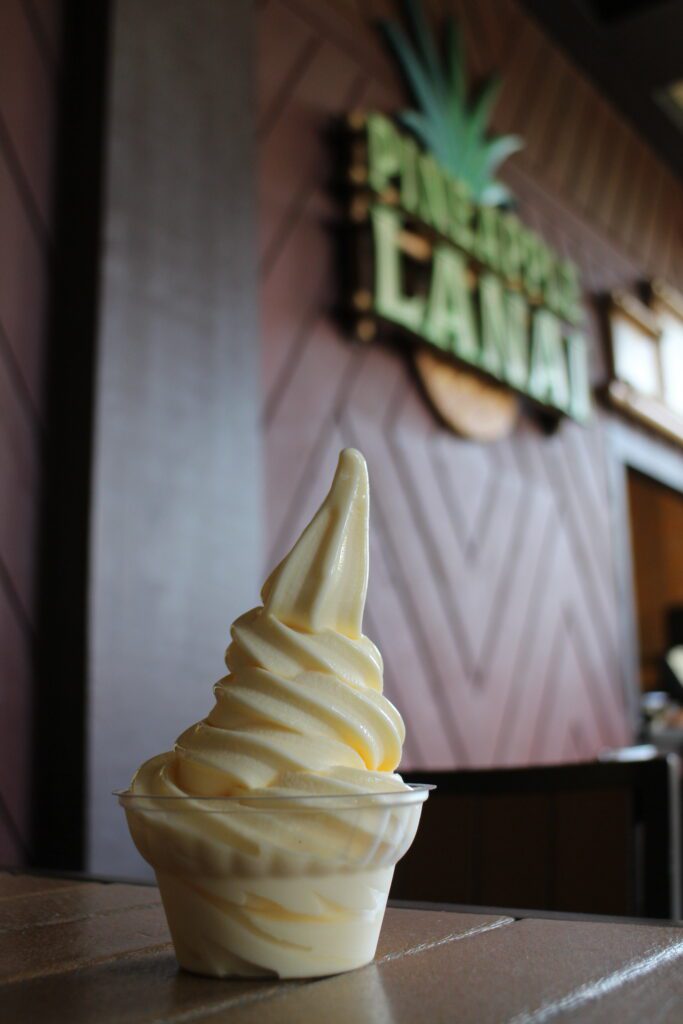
275 823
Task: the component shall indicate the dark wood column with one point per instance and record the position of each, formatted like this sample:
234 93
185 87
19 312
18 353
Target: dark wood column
176 497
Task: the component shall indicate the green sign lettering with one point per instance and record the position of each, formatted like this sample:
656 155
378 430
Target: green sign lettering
384 152
570 293
390 301
510 251
548 378
432 204
486 239
408 173
504 332
460 214
577 358
449 319
492 294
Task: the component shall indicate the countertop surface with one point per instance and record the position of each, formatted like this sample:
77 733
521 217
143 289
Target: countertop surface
77 951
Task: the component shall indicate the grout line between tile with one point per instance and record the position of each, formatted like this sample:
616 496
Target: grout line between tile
95 915
81 963
277 989
422 947
593 990
199 1012
40 892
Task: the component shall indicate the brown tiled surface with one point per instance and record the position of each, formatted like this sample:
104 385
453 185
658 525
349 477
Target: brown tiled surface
72 904
86 951
12 886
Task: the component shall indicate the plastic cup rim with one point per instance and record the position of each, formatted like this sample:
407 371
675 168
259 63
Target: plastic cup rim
416 793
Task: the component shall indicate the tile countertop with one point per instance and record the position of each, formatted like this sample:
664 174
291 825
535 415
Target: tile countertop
82 951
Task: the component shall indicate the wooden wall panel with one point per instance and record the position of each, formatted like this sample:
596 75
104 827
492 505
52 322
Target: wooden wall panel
492 590
29 74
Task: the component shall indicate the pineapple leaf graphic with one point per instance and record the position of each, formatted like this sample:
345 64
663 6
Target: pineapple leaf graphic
449 125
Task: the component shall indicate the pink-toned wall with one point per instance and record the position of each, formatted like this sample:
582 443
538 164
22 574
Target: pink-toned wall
492 592
29 70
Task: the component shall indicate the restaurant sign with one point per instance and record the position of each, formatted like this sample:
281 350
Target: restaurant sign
444 259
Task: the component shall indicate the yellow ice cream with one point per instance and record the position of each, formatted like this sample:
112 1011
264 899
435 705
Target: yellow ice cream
302 707
301 715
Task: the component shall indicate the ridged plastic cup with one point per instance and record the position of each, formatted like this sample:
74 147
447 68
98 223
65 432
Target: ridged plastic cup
288 887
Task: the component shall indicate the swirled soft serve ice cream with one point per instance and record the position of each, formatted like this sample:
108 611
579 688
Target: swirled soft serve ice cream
275 823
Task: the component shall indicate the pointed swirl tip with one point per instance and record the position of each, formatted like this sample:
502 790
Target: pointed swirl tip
322 582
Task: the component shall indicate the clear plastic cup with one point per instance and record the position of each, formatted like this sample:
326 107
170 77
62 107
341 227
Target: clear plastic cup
282 886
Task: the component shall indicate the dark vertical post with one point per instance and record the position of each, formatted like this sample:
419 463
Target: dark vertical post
58 784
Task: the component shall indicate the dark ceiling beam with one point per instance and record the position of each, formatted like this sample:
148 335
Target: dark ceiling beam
652 41
620 56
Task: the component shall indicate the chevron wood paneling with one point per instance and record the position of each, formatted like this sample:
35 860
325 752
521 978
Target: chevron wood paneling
29 71
492 589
